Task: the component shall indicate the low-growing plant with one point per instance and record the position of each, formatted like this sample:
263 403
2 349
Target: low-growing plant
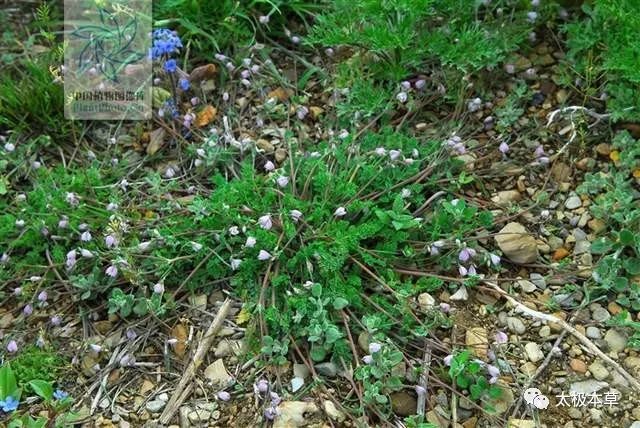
616 203
604 56
474 376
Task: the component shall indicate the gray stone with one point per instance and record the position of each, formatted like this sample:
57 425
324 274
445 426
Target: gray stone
573 202
331 411
598 370
587 387
538 280
461 295
545 331
593 332
217 373
616 340
515 325
527 286
534 353
517 244
600 315
426 301
581 247
300 370
294 414
328 369
155 406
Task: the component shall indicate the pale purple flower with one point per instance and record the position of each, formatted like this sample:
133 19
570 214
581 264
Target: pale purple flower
110 241
532 16
504 147
170 172
56 320
264 255
220 57
405 84
282 181
374 347
17 291
246 82
9 147
112 206
255 68
343 134
86 236
447 360
264 19
463 270
12 347
302 112
381 151
28 310
501 337
40 342
127 360
43 296
72 199
367 359
144 246
270 413
295 40
275 398
420 390
539 151
35 278
225 95
86 253
131 334
510 68
245 74
224 396
340 212
544 160
420 83
265 222
474 105
71 259
261 386
36 165
464 255
269 166
95 348
472 270
251 242
194 101
394 154
495 259
295 215
112 271
329 52
445 307
402 97
158 288
235 263
233 231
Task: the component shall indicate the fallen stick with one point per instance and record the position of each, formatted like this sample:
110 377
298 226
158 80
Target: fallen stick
178 396
575 333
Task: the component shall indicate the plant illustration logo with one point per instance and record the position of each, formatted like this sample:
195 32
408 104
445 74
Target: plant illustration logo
535 398
109 45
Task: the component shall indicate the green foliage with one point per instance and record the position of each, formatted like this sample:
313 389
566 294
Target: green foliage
378 376
616 203
469 375
403 36
33 363
217 25
603 44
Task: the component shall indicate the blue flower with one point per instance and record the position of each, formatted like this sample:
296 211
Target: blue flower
184 84
165 42
60 394
170 66
9 405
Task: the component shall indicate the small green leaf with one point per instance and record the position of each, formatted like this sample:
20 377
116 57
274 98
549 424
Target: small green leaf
601 246
340 303
632 265
626 237
8 383
43 388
